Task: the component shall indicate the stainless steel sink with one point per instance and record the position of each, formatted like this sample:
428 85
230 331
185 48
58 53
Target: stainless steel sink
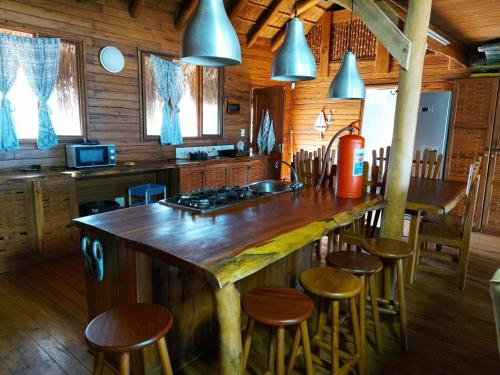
270 186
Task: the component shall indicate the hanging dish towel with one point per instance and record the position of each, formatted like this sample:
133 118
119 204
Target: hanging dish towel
265 137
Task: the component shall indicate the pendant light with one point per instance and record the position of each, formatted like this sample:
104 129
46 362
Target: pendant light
210 39
294 61
348 84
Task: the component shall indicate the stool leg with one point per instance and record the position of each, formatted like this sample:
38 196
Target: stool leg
293 354
320 326
271 360
335 337
98 363
362 318
355 329
306 347
387 271
246 347
124 364
280 365
164 357
402 304
376 317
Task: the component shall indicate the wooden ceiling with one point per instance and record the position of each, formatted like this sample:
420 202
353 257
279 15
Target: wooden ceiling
469 22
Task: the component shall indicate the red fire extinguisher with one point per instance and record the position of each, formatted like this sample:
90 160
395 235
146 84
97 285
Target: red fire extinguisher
351 152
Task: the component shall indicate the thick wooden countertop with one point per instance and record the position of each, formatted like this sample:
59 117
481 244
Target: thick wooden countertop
19 175
231 244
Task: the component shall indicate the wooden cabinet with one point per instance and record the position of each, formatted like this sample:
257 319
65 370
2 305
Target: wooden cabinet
238 173
231 173
258 170
215 176
35 221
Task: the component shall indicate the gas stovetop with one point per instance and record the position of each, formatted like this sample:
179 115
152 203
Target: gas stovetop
207 200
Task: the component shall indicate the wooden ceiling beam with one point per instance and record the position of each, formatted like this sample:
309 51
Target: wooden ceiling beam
454 50
135 7
384 29
266 17
302 7
187 9
237 8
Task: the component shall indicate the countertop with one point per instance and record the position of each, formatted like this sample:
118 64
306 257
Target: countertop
231 244
19 175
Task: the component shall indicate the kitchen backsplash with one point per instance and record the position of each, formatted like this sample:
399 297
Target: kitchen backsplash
183 152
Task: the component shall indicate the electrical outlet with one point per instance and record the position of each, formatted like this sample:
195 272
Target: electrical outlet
242 132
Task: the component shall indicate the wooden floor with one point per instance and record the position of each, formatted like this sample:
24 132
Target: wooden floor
43 315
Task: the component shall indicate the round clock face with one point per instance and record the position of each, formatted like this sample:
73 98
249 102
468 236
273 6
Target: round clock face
112 59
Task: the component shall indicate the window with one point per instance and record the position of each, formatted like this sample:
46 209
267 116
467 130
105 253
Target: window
64 101
199 108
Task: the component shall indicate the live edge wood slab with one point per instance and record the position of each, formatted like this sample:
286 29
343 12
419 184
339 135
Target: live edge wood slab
228 246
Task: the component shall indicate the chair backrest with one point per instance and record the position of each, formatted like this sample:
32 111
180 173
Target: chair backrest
382 162
309 165
427 166
471 198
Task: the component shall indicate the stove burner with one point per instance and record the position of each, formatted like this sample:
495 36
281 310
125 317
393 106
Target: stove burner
208 199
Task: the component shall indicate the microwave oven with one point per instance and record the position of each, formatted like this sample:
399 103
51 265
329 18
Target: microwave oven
90 156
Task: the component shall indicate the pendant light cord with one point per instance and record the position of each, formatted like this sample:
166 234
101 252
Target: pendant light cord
295 6
350 26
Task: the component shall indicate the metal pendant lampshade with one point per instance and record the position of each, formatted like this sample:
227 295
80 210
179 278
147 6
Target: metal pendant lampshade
210 39
347 84
294 61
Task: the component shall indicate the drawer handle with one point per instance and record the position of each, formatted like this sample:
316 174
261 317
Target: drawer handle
98 254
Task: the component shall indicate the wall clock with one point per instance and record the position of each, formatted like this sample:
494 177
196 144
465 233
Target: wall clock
112 59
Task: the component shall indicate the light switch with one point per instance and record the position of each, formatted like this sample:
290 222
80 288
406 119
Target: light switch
242 132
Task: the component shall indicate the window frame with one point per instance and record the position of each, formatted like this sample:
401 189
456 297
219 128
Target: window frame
82 89
199 99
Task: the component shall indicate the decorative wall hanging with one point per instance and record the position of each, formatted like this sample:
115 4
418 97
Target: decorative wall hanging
322 122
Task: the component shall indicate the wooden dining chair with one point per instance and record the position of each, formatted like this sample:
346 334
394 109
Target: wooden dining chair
309 166
427 165
366 226
452 234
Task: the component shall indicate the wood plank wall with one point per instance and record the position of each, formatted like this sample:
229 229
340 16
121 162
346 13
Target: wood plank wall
113 104
309 97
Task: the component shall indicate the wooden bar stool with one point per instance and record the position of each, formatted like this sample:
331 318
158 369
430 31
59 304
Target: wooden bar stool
365 267
279 307
334 285
392 252
128 328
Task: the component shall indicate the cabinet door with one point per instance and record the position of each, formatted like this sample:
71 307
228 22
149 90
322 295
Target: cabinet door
190 179
216 176
474 103
17 223
258 170
55 207
238 174
491 208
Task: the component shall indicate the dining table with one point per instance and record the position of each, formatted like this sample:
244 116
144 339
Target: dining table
427 195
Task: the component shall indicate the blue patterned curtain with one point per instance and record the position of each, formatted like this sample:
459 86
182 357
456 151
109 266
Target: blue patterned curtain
39 58
8 74
168 79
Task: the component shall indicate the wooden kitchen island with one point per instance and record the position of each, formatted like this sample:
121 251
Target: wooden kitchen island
170 256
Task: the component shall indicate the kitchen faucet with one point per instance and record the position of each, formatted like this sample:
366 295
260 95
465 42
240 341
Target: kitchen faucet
296 185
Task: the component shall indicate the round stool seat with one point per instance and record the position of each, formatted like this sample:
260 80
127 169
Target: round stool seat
128 328
331 283
388 248
277 305
357 263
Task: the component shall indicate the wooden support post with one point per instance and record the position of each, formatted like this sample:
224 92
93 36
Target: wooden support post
382 59
228 312
405 123
324 50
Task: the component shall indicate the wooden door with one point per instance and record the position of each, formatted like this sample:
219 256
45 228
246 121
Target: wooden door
272 99
238 173
190 178
215 176
470 132
491 211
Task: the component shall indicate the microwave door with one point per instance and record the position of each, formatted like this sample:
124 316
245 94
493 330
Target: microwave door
92 156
